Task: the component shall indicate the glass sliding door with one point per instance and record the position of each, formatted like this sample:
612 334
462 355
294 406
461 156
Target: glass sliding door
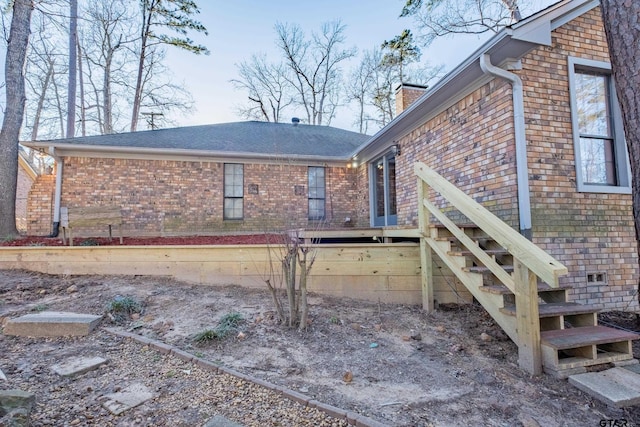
383 191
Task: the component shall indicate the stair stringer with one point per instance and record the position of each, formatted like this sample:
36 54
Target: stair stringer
473 282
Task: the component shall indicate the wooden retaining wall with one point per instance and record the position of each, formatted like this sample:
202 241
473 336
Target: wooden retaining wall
377 272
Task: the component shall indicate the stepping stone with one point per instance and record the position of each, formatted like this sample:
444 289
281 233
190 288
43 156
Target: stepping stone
132 396
78 365
14 399
52 324
220 421
633 368
618 387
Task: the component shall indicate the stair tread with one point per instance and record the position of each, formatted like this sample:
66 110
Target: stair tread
454 239
487 251
562 339
481 269
439 225
503 290
555 309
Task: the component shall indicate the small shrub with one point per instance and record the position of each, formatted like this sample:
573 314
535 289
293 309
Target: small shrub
228 324
205 336
121 307
40 307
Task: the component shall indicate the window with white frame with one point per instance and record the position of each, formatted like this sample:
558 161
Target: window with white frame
602 163
233 191
316 193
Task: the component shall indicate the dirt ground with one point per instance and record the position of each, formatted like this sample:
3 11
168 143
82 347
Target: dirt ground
452 367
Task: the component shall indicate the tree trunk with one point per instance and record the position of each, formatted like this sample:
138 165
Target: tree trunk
71 90
147 13
622 26
304 308
13 114
41 99
106 93
59 105
290 274
83 110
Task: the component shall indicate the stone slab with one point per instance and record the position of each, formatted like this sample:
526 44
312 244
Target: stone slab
52 324
618 387
633 368
13 399
78 365
130 397
220 421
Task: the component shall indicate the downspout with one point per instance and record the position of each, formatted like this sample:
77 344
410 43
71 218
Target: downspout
57 194
522 171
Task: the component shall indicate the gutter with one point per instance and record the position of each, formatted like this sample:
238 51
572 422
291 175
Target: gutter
522 170
58 192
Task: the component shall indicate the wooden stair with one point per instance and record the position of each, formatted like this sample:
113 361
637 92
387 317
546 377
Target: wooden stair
570 338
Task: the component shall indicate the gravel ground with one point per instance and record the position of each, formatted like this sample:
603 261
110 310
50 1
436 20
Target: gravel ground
451 367
184 393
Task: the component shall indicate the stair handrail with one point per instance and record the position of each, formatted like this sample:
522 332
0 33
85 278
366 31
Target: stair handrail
534 258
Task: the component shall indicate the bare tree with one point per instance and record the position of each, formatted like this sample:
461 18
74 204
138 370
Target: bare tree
268 90
158 15
315 66
290 261
13 114
359 88
46 67
161 93
107 31
622 27
371 86
437 18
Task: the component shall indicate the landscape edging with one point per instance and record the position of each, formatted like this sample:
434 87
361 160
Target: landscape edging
333 411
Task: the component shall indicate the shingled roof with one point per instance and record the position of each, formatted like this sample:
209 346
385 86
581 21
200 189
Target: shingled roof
248 138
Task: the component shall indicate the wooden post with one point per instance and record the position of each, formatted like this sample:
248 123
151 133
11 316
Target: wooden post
426 263
528 319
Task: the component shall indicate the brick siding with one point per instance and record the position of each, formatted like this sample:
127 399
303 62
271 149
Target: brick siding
470 144
162 197
588 232
22 192
40 206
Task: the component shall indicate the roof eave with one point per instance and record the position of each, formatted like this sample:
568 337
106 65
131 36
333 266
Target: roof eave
69 150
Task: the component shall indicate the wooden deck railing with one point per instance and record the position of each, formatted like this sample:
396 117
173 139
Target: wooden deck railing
529 261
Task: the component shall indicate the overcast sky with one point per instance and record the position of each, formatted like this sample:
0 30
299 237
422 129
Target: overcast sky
240 28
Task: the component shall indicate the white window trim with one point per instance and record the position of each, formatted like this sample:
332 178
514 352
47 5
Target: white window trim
623 168
225 197
309 198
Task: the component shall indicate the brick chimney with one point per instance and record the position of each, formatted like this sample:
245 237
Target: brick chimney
406 94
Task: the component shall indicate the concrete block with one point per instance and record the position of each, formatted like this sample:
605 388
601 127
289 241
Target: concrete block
130 397
77 365
618 387
52 324
220 421
14 399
